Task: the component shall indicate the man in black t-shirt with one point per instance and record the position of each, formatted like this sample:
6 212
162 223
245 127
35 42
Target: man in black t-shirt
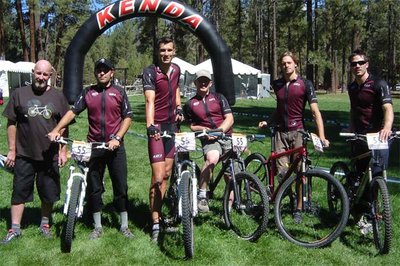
32 111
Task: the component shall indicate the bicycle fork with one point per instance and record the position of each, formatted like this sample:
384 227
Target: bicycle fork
72 175
193 188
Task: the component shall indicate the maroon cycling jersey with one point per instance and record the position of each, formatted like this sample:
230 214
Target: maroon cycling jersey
208 111
291 101
366 103
106 110
165 91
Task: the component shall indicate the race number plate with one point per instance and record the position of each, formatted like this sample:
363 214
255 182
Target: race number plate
185 141
239 142
374 143
317 143
81 151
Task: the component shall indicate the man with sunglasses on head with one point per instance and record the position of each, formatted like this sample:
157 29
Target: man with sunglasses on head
109 116
371 108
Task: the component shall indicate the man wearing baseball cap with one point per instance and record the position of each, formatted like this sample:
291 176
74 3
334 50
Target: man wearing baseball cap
209 110
109 116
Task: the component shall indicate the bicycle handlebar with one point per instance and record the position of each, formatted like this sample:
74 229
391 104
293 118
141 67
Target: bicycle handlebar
356 136
99 145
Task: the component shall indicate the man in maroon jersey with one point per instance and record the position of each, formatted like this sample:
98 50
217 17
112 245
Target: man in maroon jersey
209 110
292 93
163 111
109 117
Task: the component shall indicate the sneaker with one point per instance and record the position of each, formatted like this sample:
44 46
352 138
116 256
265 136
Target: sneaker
96 233
11 235
155 235
202 205
297 217
126 232
364 225
45 231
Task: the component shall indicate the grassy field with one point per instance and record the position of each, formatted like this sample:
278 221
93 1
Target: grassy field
214 245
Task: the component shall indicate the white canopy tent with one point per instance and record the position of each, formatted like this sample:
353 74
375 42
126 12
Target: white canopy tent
238 68
13 75
185 66
247 79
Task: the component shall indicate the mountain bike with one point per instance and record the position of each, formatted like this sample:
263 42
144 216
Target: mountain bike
81 153
301 209
368 193
181 196
245 201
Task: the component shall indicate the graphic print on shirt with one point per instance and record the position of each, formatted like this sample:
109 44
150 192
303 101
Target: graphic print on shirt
35 108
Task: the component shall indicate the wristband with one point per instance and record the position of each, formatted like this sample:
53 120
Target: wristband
179 111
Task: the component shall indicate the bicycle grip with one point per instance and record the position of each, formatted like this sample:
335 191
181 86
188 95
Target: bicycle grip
346 134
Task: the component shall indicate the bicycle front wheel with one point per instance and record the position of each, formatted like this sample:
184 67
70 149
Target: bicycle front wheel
69 226
187 213
381 215
302 212
339 171
246 210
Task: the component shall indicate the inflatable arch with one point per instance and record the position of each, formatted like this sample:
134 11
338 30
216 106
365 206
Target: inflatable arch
126 9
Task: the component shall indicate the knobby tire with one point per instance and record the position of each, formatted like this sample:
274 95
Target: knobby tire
69 225
381 215
187 213
319 225
248 216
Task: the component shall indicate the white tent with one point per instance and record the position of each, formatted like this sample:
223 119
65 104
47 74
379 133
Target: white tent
247 79
13 75
238 68
185 66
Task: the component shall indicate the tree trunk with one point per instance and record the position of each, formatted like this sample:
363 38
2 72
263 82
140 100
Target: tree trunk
60 34
2 37
21 27
274 42
32 32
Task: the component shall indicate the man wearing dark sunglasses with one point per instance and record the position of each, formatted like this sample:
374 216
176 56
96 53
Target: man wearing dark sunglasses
371 107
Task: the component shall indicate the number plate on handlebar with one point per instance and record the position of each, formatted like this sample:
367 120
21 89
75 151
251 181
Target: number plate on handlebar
374 143
185 141
239 142
317 142
81 151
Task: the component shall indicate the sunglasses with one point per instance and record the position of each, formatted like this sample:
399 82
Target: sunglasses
353 64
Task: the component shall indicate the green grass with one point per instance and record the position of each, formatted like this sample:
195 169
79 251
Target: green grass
213 243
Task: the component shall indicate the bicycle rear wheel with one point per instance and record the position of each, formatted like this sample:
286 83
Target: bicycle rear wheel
246 213
187 213
381 215
67 233
311 223
255 164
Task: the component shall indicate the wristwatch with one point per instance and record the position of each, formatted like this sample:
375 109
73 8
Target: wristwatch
116 137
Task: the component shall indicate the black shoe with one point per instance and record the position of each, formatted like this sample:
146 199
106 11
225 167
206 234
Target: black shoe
297 217
11 235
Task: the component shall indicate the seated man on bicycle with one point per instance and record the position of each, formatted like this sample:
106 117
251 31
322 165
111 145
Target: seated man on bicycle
371 110
208 110
292 92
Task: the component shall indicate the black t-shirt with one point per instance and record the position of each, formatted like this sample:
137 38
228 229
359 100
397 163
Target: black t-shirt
36 114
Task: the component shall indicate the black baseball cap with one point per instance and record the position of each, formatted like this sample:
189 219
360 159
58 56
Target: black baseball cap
105 62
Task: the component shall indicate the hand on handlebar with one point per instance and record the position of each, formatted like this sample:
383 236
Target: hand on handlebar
53 136
384 135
